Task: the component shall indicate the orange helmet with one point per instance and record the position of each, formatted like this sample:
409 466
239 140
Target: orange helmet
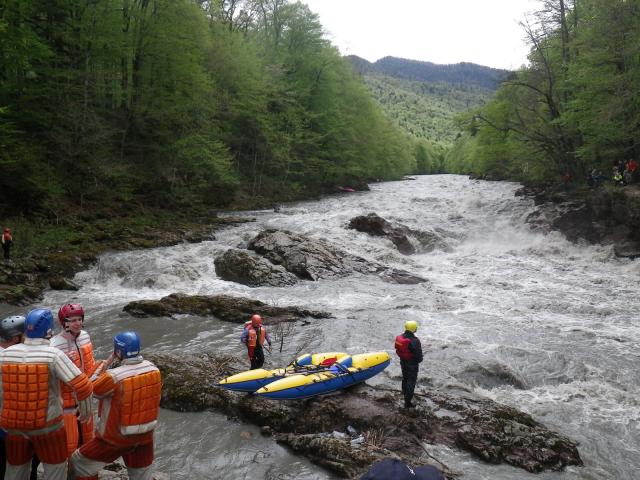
256 320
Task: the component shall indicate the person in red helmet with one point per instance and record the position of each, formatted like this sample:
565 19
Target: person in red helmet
254 336
76 344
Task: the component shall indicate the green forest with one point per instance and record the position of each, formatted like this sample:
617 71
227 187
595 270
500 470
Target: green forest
181 103
574 108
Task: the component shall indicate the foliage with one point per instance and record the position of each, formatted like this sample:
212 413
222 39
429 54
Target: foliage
173 103
575 106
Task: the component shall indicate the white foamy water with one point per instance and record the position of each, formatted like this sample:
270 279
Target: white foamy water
524 318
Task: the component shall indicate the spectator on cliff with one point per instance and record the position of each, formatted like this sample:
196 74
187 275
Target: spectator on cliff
566 180
632 171
595 178
7 243
617 177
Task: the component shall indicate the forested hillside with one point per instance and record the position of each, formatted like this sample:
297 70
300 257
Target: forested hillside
423 98
175 103
574 108
425 110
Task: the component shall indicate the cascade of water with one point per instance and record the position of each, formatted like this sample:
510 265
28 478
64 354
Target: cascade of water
524 318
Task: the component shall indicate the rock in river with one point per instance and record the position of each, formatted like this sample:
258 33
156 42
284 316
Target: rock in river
224 307
494 432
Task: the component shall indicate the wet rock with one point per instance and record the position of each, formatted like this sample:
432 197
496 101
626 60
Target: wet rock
609 216
249 269
377 226
315 259
494 432
224 307
61 283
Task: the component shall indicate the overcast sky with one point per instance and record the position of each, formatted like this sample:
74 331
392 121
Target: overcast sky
440 31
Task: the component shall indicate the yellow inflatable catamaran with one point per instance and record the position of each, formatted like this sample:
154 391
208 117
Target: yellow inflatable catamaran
309 375
253 380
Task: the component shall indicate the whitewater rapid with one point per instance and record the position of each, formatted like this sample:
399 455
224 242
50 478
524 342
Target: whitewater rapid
522 317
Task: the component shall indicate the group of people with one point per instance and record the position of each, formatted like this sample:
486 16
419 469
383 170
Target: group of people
407 345
47 384
622 173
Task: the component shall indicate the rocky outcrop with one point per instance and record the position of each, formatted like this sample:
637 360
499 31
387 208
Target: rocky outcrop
244 267
61 283
224 307
495 433
607 215
312 259
407 240
377 226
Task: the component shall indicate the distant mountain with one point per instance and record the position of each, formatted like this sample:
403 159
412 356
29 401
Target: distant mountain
423 98
464 73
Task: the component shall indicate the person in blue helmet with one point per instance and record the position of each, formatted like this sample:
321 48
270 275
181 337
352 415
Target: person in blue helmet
394 469
36 426
11 333
129 405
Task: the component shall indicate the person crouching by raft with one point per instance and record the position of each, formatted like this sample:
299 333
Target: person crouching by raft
254 336
409 350
394 469
128 414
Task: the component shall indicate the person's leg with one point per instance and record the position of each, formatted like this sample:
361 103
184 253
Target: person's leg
259 356
403 367
19 453
71 429
139 462
35 461
51 449
412 378
90 458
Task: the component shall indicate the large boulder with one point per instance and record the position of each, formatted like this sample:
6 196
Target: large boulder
224 307
495 433
311 259
242 266
377 226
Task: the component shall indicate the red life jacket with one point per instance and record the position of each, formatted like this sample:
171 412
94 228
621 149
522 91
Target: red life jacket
402 347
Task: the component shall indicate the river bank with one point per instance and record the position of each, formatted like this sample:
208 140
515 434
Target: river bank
47 255
609 215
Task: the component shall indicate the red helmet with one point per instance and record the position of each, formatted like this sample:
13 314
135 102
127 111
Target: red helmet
70 310
256 320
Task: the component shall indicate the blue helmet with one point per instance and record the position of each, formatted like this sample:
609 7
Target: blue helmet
39 323
11 327
126 345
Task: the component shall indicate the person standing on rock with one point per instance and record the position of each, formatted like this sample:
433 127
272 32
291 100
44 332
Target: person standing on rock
7 243
76 344
254 336
129 405
32 373
409 350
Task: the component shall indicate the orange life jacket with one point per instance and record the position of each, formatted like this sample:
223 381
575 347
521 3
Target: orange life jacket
25 389
80 352
130 404
253 339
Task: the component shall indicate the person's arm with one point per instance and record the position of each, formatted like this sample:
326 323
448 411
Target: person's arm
104 385
416 348
245 335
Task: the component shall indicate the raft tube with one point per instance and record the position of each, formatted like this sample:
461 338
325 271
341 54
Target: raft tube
252 380
344 373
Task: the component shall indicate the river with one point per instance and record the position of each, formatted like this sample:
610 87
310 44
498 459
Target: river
522 317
